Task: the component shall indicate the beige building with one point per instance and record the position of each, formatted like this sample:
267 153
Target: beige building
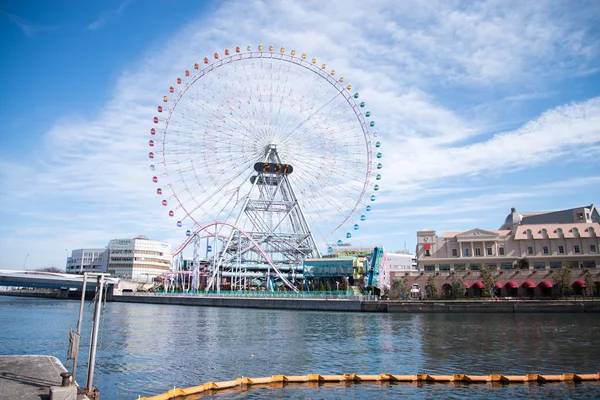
543 239
138 259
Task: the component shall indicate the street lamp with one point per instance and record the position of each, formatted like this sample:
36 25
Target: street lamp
25 263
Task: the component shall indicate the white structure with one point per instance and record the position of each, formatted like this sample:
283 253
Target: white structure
138 259
402 262
87 260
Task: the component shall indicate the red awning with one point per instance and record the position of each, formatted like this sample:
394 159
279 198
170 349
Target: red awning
498 285
427 246
511 285
528 284
478 285
467 285
579 283
545 285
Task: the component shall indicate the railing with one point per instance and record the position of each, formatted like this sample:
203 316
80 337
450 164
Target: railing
323 295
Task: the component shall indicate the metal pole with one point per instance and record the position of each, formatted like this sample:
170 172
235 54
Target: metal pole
81 304
94 340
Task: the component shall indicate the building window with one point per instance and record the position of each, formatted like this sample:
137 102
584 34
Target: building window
459 267
501 251
577 249
561 250
506 266
429 268
474 267
545 249
589 264
539 265
427 253
489 251
580 215
592 248
555 265
444 267
529 250
454 252
466 252
477 251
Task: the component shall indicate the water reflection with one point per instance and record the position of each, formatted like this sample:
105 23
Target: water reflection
148 349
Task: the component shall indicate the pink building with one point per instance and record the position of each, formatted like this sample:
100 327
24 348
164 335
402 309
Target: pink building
544 239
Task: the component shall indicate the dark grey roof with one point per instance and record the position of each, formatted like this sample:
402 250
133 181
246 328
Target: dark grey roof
556 217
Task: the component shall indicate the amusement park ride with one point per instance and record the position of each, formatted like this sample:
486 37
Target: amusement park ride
253 146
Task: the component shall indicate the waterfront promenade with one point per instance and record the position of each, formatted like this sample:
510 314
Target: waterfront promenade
364 303
334 303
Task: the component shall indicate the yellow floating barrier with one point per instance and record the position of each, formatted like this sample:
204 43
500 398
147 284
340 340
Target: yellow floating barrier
280 381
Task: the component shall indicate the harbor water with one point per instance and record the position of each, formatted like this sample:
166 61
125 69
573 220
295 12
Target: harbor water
149 349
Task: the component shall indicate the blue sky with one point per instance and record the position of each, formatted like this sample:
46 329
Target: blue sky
481 107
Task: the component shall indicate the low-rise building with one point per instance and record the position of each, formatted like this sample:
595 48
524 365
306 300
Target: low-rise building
401 262
138 259
538 242
87 260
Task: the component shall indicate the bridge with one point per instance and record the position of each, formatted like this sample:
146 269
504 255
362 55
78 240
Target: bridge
49 280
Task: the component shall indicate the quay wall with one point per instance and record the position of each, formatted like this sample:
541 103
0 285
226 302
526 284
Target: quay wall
372 306
247 302
389 306
54 294
484 307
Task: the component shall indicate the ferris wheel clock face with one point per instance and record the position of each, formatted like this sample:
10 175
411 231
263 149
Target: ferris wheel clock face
218 121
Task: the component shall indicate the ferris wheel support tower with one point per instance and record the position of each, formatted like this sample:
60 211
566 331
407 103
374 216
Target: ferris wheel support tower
275 208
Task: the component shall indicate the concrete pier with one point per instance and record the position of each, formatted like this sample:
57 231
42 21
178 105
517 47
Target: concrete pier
382 306
34 377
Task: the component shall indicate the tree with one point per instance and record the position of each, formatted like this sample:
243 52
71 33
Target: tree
590 286
458 288
487 278
431 288
522 263
562 279
399 288
50 269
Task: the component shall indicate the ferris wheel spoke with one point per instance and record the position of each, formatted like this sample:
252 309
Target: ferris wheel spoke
223 118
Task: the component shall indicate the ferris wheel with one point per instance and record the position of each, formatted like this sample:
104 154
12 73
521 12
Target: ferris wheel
271 142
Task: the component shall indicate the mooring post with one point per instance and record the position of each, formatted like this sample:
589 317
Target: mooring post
94 339
79 321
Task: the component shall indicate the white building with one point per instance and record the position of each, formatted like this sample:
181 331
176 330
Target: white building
87 260
402 262
138 259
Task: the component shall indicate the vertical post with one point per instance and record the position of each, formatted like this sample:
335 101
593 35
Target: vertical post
94 340
81 304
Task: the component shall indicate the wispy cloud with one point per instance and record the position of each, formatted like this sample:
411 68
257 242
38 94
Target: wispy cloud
29 28
422 67
106 16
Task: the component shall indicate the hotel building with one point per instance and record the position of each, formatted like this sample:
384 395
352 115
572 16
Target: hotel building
543 240
139 259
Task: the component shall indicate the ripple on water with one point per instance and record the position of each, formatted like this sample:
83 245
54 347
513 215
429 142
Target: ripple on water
148 349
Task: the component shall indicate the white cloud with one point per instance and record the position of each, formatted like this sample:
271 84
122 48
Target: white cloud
89 181
106 16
